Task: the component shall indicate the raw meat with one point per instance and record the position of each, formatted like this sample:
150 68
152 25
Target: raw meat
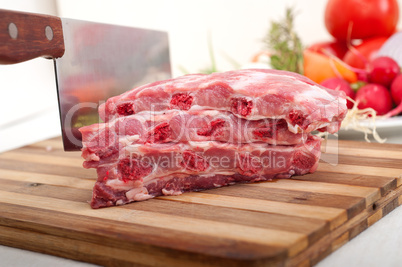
142 171
250 94
203 131
181 126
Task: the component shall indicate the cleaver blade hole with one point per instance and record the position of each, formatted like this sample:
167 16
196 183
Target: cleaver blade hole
49 33
13 30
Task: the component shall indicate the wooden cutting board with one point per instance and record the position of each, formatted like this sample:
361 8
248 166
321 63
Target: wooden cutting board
296 222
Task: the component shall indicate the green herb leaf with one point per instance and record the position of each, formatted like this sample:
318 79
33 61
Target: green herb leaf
285 45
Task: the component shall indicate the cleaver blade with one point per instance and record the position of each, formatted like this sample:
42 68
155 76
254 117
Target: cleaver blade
392 48
92 61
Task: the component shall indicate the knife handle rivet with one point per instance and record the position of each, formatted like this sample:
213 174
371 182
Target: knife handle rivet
49 33
13 30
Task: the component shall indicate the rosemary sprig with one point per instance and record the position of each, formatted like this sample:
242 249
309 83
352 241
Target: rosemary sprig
285 45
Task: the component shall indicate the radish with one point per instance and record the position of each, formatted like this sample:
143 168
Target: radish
382 70
396 92
374 96
340 84
396 89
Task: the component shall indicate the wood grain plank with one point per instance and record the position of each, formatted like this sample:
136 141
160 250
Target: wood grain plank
364 152
374 217
312 228
32 150
384 183
47 169
354 169
295 242
44 194
73 249
53 143
285 195
51 179
369 193
102 254
335 216
38 158
363 145
340 241
133 236
357 229
320 247
51 191
374 161
352 205
335 159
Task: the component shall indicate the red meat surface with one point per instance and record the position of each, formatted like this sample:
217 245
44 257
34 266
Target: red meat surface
198 131
252 94
141 172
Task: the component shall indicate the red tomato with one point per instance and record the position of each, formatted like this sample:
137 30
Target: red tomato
367 49
335 48
368 18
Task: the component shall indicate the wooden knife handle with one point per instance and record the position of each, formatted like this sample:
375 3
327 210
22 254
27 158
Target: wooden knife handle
24 36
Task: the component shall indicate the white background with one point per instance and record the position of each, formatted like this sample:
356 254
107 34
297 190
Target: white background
28 108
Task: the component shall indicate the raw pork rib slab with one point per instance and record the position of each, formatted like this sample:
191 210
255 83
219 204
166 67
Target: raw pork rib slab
203 131
183 126
250 94
140 172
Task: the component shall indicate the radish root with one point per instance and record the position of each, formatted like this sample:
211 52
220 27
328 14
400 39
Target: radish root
354 118
351 47
334 58
394 112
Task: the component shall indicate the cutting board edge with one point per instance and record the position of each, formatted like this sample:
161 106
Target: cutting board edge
24 223
356 225
328 244
346 236
62 247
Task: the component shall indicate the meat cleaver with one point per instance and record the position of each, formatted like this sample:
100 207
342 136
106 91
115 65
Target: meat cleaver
92 61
